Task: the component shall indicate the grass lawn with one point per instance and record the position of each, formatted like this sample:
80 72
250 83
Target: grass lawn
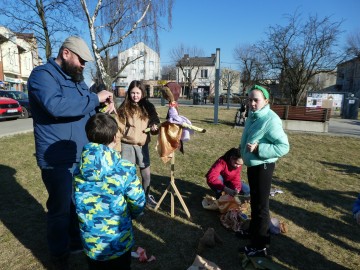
320 178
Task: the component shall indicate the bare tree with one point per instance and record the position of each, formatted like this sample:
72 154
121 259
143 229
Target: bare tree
187 60
251 65
168 72
113 23
353 44
46 19
297 52
229 78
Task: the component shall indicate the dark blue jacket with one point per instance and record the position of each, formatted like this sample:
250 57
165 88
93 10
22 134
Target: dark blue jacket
60 109
356 206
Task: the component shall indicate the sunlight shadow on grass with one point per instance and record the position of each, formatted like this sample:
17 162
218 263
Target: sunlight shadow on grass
22 215
349 169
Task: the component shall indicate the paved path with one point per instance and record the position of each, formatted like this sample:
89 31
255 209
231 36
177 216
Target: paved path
347 127
12 127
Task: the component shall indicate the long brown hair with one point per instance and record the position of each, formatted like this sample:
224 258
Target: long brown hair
129 108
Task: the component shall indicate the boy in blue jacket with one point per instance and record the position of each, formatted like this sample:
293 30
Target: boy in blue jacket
108 195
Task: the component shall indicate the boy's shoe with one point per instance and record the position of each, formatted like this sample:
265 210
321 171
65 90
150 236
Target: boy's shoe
150 201
243 234
253 252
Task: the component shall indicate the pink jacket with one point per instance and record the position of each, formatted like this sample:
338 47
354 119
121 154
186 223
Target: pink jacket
231 176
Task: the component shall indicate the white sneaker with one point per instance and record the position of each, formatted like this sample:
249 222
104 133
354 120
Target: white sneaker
150 201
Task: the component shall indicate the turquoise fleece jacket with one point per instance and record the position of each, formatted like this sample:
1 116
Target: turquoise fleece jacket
265 128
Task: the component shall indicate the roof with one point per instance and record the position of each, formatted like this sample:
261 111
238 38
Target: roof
197 61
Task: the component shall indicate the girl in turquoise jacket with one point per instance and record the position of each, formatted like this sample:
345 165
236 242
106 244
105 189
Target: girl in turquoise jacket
263 141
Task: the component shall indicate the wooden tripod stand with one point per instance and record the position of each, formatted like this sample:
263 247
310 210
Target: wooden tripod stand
172 189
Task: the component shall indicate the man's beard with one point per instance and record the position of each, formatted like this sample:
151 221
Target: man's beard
74 72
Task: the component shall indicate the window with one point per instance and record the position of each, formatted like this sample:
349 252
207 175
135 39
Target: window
204 73
187 73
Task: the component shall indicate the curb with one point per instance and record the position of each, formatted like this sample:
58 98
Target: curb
16 133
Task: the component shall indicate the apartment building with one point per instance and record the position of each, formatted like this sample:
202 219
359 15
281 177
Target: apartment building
348 77
18 57
144 66
196 73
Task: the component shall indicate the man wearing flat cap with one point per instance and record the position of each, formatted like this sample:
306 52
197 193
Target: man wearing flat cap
61 104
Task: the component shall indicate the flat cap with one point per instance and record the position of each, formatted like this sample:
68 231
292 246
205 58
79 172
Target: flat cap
78 46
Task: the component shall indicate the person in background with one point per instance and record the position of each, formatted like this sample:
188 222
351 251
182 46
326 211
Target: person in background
108 195
356 210
225 174
61 104
135 115
263 141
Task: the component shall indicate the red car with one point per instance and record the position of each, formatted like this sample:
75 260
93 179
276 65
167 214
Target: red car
9 108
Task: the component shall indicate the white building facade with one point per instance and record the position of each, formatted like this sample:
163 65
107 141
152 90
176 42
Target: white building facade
18 57
144 66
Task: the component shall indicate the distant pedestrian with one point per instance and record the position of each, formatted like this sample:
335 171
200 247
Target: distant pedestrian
205 96
221 99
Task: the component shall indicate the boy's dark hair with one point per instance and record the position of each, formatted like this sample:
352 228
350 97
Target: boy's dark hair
101 128
232 153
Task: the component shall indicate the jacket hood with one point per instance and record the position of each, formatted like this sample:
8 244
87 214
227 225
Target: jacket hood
97 156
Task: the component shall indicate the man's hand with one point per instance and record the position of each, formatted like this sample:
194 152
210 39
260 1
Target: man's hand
107 98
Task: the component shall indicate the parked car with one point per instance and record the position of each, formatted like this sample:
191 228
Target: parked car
9 108
21 97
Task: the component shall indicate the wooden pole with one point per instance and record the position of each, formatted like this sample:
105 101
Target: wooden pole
173 189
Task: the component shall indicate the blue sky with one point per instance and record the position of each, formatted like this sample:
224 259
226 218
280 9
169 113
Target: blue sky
211 24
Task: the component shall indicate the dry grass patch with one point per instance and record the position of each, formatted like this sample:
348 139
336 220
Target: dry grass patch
319 177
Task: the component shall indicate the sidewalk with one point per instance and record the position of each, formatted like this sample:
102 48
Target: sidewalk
344 127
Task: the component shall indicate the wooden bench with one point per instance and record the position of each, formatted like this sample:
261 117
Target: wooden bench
287 112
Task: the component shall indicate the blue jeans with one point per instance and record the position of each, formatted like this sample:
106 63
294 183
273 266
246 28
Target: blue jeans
62 222
245 188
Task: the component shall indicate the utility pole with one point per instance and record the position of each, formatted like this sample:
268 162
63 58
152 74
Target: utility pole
228 90
217 80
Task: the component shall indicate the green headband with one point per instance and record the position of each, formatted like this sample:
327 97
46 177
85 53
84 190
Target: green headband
262 89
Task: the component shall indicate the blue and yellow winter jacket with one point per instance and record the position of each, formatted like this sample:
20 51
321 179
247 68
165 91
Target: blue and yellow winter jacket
108 194
265 128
